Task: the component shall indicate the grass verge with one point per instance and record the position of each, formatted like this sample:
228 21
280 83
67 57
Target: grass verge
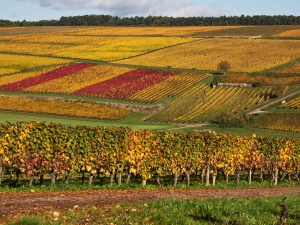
238 211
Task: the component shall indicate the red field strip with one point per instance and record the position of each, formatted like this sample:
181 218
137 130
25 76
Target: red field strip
127 84
54 74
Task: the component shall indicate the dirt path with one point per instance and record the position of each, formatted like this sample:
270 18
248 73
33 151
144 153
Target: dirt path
258 110
14 203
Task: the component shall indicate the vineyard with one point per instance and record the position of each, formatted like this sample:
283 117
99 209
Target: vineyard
268 80
147 31
168 73
62 108
201 107
85 47
244 55
39 149
103 81
293 104
203 103
170 87
289 33
189 31
289 70
280 121
10 64
176 107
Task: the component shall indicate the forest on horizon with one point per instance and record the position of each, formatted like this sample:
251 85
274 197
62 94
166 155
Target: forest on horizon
108 20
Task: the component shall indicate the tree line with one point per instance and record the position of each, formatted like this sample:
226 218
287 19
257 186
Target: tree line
108 20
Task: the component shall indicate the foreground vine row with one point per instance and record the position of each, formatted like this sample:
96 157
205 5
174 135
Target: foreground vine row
38 149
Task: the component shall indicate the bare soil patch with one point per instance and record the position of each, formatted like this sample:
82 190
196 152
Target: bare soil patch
16 203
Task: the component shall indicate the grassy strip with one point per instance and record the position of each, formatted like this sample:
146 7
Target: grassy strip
245 131
133 120
9 184
238 211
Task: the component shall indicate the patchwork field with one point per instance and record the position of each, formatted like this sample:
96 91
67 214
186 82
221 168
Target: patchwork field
169 69
103 81
244 55
191 31
129 107
85 47
148 31
203 103
12 63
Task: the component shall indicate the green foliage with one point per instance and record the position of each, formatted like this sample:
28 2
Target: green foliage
39 149
217 79
226 120
257 84
33 220
223 66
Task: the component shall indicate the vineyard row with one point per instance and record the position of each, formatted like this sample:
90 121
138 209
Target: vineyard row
39 148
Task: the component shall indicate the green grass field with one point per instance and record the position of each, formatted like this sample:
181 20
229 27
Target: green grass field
132 121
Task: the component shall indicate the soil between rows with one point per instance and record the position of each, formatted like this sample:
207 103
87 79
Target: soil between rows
16 203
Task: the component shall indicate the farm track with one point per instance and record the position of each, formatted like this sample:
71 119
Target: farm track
259 110
15 203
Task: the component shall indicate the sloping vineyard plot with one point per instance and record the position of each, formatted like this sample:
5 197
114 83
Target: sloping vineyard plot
5 31
280 121
74 109
125 85
267 80
86 47
289 33
104 81
292 104
148 31
289 70
54 74
244 55
170 87
10 63
8 79
76 81
203 103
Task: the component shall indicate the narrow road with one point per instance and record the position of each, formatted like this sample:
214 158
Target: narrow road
258 110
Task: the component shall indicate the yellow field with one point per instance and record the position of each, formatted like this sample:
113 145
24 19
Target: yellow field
289 70
76 109
10 63
244 55
170 87
292 104
203 103
29 30
148 31
268 80
81 79
18 77
289 33
86 47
